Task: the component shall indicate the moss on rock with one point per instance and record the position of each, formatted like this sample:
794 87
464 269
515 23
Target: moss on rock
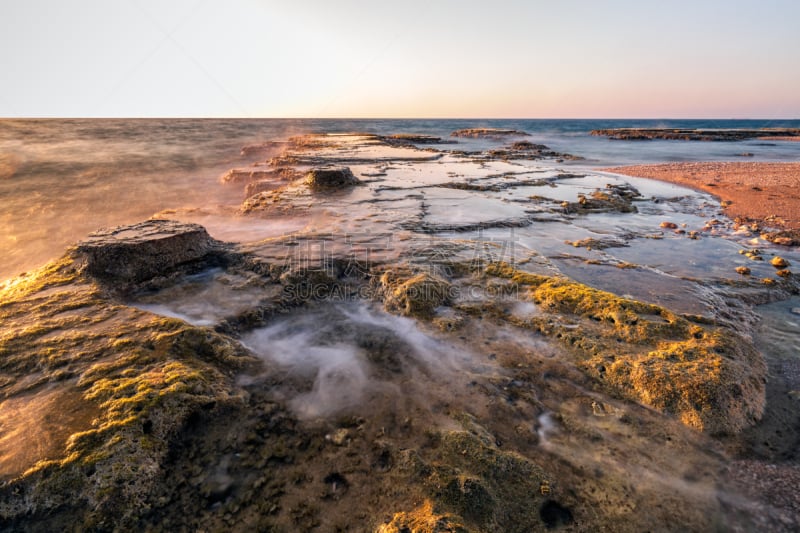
140 376
706 375
414 295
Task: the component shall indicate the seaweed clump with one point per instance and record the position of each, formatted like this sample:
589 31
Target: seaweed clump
414 295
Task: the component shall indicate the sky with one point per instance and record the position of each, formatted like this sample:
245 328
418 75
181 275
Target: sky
407 59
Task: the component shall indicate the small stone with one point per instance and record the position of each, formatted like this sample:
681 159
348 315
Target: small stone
768 281
743 270
669 225
796 310
340 437
779 262
785 273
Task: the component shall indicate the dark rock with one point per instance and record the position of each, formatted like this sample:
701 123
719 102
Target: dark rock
409 139
617 198
139 252
487 133
527 145
554 514
646 134
328 178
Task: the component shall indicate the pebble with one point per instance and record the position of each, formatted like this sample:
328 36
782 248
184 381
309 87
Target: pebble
743 270
669 225
779 262
796 310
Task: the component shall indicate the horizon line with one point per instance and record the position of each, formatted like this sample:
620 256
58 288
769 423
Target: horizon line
375 118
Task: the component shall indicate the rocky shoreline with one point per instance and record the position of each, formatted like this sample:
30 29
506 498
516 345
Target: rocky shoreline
762 195
433 383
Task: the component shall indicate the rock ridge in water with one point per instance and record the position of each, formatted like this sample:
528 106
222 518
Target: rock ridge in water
488 133
645 134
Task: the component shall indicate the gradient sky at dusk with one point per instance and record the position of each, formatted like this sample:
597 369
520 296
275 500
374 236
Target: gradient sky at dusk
426 58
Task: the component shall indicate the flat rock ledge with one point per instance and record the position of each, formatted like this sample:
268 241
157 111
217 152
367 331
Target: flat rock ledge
136 253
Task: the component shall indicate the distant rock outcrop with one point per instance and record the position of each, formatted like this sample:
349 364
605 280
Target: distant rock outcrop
646 134
488 133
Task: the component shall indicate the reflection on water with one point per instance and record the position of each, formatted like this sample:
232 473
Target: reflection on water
35 427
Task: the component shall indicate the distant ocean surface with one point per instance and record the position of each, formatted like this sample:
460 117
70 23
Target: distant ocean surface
63 178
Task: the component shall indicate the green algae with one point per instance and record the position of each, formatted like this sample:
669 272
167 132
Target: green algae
140 376
706 375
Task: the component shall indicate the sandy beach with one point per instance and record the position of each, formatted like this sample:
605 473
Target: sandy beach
768 193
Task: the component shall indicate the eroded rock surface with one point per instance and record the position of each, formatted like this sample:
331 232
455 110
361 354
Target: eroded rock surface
131 254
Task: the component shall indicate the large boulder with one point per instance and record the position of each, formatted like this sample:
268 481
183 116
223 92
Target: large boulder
139 252
330 178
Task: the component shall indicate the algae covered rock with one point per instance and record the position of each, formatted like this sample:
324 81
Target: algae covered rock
473 485
707 376
330 178
135 253
417 295
110 385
